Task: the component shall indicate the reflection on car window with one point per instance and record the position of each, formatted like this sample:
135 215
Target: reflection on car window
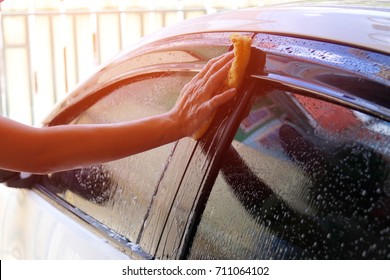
303 179
118 193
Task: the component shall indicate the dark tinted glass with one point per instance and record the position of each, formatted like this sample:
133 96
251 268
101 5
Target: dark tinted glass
303 179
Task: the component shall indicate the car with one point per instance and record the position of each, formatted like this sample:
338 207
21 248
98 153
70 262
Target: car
297 166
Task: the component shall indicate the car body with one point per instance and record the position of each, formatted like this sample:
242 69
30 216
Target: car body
296 167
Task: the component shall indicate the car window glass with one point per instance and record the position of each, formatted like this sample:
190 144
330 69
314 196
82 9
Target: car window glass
118 193
302 179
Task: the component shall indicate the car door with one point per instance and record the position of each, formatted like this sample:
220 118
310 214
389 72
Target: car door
304 171
128 201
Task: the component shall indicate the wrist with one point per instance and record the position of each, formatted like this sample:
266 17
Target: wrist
176 126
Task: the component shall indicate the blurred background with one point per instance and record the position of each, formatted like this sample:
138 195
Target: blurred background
48 46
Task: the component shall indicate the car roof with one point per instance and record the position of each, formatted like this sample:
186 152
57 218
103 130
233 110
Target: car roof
360 26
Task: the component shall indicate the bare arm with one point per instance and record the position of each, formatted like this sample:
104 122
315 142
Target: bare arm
44 150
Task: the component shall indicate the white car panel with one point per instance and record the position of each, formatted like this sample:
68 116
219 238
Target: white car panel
32 228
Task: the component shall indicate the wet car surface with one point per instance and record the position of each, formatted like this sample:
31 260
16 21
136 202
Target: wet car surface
296 167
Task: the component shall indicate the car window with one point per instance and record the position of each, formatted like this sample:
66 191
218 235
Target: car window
119 193
302 179
129 201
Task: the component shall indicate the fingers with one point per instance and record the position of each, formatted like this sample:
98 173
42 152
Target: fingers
222 98
215 80
200 98
214 65
209 80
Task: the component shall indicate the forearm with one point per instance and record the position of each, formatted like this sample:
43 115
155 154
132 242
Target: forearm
72 146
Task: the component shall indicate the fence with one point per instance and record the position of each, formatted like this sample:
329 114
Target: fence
45 54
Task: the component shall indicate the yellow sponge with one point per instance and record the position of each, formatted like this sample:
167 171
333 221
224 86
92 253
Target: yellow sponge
242 52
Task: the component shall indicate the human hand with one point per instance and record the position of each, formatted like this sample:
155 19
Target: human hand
200 98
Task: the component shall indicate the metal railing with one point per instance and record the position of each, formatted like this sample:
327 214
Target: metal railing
45 54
